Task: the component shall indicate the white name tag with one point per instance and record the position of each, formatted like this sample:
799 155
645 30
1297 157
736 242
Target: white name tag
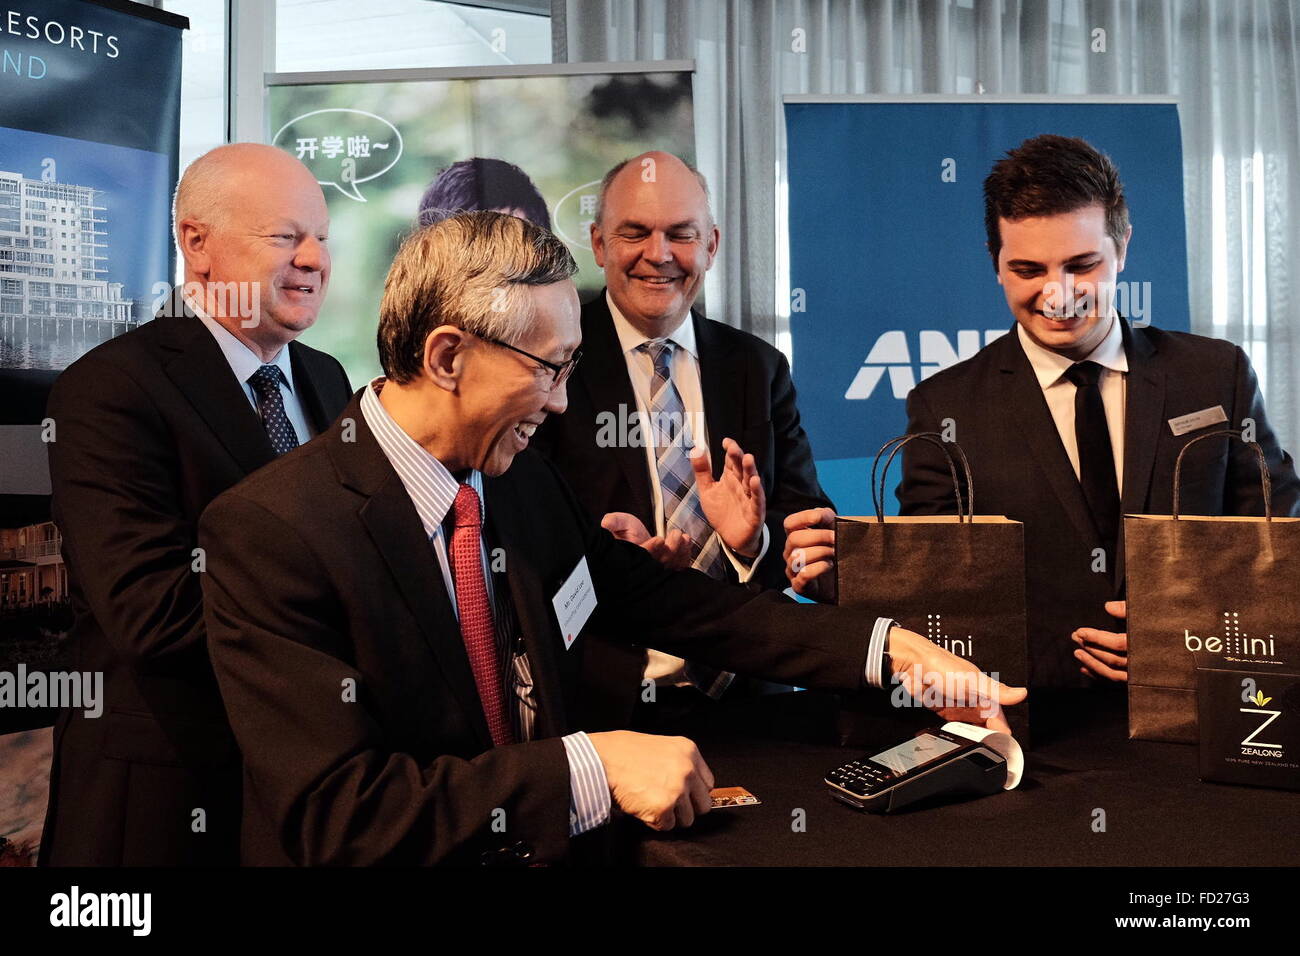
1189 423
574 602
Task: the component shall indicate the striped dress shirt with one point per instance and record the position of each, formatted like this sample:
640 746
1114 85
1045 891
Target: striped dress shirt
432 490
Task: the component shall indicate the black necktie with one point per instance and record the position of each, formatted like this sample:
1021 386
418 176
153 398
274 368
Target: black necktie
270 405
1096 461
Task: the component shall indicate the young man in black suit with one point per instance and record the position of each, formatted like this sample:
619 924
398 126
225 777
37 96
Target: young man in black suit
647 352
150 427
1076 417
397 612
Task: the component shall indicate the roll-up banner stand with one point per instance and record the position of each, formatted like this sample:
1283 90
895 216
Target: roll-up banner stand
392 148
89 123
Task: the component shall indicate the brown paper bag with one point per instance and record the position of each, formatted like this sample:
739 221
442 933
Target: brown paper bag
1228 587
957 580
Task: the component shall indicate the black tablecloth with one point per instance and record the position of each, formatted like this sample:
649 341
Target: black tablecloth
1156 810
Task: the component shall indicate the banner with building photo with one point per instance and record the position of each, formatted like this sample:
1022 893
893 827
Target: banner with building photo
531 141
890 279
89 118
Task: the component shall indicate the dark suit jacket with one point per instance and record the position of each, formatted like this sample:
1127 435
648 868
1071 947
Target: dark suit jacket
748 396
320 578
151 426
1021 470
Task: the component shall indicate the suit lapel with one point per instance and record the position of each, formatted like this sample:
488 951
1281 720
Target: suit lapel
394 527
722 385
308 390
1144 407
1025 397
603 374
199 370
509 525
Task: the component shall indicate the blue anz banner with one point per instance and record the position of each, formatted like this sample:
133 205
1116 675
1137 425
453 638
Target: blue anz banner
890 277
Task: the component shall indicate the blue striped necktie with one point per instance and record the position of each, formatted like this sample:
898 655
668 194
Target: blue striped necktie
670 427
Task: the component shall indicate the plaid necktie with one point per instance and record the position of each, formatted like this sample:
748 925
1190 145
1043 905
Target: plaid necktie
671 428
270 406
477 628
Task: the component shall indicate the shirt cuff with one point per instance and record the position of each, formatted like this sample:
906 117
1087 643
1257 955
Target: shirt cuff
875 675
588 789
745 567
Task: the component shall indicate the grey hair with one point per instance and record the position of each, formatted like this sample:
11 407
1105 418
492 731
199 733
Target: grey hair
469 271
609 177
199 194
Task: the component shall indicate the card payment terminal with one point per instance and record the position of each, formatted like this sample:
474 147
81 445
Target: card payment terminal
936 761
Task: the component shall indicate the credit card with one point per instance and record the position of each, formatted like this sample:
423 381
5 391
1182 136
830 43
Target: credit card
733 797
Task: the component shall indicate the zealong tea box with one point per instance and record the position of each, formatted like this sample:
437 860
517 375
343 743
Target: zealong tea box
1249 720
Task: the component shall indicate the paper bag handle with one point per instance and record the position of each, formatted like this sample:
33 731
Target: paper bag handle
878 489
1265 481
895 445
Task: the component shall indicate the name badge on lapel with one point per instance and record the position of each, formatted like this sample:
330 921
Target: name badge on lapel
574 602
1194 420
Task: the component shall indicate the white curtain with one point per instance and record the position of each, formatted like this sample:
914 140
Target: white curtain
1232 63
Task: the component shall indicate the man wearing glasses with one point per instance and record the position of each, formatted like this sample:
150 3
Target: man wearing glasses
397 611
560 371
653 361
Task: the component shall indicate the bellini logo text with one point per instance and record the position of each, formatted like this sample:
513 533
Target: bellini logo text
1233 643
934 634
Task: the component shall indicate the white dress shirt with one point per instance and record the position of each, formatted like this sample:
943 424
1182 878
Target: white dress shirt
244 362
1050 368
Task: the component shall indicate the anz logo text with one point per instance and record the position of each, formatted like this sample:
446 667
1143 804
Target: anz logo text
893 354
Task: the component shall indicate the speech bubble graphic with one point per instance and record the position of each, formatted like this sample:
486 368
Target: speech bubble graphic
342 147
571 218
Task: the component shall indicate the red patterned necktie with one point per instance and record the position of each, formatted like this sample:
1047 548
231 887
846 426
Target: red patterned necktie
477 628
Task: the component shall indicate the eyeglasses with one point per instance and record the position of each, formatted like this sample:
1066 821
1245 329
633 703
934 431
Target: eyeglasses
559 372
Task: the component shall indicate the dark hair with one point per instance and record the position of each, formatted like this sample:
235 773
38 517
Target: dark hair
1049 175
467 271
482 184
